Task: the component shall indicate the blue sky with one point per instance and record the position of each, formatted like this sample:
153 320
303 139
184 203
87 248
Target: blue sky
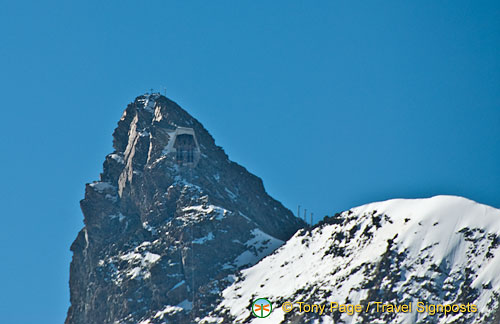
333 103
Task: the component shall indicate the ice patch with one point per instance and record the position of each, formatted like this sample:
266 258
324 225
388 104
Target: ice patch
186 305
231 194
201 240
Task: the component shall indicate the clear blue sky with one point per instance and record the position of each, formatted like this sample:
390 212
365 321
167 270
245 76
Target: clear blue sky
334 104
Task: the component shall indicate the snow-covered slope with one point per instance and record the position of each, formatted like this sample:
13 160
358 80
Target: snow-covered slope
441 250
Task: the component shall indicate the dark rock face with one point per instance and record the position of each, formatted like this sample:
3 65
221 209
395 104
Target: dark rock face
161 239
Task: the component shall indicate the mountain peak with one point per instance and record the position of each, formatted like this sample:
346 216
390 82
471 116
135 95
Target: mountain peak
171 220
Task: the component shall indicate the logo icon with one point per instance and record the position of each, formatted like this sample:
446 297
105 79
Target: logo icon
261 308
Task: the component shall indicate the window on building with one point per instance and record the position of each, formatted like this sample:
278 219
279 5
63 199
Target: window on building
185 146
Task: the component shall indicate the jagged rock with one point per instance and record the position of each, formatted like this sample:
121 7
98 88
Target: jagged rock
169 224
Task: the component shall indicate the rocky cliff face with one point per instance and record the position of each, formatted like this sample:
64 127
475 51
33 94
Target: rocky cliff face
165 233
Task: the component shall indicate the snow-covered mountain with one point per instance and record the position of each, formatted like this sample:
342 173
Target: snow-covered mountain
169 223
176 233
441 250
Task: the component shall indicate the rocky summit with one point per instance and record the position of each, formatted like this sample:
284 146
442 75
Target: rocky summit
169 224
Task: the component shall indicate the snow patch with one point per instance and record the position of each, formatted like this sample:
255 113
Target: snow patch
117 158
102 186
259 246
217 213
168 310
210 236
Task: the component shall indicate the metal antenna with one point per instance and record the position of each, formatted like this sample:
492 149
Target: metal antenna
298 212
311 219
305 215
